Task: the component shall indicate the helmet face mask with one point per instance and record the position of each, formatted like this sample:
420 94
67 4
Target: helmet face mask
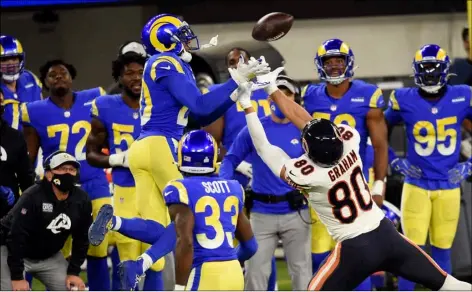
431 68
334 61
12 58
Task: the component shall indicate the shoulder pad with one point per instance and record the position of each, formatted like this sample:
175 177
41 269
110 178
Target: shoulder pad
90 94
376 99
164 65
309 89
175 192
395 95
29 110
294 174
350 134
33 77
99 104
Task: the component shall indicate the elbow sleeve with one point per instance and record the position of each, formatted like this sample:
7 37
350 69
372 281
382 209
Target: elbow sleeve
247 249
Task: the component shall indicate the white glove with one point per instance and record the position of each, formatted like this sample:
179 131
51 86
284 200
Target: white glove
243 95
466 147
245 72
267 81
213 43
119 159
245 168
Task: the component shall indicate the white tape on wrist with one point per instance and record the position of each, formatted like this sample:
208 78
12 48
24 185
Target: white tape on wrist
115 160
378 188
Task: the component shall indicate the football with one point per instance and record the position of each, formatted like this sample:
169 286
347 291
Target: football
272 27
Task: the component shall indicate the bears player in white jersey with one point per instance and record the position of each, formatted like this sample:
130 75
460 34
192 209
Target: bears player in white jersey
330 175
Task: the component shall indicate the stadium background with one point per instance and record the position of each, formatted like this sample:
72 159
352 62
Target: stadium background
383 34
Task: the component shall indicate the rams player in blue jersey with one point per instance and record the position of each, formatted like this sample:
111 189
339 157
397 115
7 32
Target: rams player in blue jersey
352 102
62 122
169 92
116 124
433 114
207 215
18 84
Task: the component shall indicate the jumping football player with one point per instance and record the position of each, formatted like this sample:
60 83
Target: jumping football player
169 92
207 213
330 174
18 84
433 113
62 122
115 123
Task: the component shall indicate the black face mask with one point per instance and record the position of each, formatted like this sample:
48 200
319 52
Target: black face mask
64 182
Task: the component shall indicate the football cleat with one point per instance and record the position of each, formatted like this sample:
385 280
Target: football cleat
99 228
131 272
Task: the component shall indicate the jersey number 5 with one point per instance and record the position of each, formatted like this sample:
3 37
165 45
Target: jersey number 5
348 202
214 221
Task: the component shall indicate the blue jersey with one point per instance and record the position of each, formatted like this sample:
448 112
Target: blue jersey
351 109
286 137
123 126
433 130
169 92
66 130
215 204
161 113
28 89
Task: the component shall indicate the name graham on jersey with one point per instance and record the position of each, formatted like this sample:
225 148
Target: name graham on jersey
344 165
216 187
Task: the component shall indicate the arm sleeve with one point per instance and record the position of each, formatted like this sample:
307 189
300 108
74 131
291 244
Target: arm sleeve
239 150
24 170
273 156
24 220
80 241
216 101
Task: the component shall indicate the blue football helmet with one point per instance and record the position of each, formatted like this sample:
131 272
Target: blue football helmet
391 212
11 48
197 153
334 48
431 68
167 33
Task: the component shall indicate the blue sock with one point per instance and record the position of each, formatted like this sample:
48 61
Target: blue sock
153 281
442 257
378 280
115 276
365 286
317 259
165 243
29 278
404 284
147 231
272 277
97 274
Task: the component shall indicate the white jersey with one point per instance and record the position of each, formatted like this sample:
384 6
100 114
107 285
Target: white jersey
340 194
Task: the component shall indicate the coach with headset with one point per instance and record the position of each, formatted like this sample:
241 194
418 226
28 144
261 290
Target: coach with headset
39 225
277 210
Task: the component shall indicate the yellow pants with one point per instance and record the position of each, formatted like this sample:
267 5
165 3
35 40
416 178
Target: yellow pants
151 162
436 211
321 241
216 276
124 205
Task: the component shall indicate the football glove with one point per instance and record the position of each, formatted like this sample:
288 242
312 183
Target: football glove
267 81
403 166
8 195
245 72
119 159
245 168
460 172
243 95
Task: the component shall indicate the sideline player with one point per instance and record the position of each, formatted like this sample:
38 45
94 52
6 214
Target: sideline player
433 113
115 122
62 122
169 92
18 84
207 213
330 173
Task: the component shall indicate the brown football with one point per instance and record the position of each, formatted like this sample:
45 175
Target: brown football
272 27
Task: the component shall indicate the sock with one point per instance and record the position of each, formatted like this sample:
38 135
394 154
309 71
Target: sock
97 274
147 231
442 257
115 276
164 245
153 281
378 280
29 278
404 284
272 277
317 259
365 286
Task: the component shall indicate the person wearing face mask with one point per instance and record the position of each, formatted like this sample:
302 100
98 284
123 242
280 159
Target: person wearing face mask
116 123
432 113
40 223
278 210
18 84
